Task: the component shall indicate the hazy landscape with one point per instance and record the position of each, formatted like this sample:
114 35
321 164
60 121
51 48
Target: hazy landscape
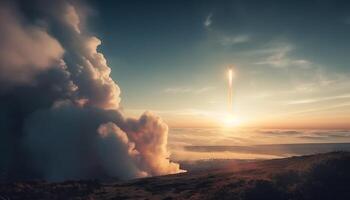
214 143
174 99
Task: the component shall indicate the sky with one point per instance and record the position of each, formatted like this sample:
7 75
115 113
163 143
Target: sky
128 88
290 60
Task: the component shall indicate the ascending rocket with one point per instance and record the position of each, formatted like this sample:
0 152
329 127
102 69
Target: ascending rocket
230 92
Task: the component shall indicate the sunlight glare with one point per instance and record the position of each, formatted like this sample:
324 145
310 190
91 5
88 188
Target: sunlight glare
230 121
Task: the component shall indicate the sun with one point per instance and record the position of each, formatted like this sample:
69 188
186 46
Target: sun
230 120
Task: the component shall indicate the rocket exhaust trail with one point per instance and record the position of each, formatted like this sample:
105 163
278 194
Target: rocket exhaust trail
230 93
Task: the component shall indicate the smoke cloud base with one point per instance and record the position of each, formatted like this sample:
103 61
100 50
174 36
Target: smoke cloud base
60 115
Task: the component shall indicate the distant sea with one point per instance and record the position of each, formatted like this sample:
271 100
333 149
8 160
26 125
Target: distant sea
238 143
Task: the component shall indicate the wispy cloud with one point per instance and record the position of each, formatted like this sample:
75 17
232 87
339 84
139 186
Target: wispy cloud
316 100
318 80
279 57
182 90
208 21
232 40
314 110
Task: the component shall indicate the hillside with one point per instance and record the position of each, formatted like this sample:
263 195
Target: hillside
320 176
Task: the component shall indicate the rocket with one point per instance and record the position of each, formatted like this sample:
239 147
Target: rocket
230 92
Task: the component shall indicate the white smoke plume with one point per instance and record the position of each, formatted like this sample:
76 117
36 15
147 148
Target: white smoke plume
26 50
59 106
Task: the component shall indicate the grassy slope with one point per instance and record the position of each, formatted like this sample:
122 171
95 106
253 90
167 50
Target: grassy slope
321 176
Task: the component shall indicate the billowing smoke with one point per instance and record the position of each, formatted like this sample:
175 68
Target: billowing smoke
59 114
26 50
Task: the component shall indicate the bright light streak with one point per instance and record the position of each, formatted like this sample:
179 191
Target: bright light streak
230 77
230 88
229 119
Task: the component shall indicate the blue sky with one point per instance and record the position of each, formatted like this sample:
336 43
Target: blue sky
290 59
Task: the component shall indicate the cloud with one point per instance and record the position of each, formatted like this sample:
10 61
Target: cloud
319 109
150 136
280 132
26 50
279 58
208 21
282 150
66 123
71 17
182 90
82 143
229 41
321 99
242 143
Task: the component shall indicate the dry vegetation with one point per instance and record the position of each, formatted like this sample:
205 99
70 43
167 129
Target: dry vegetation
321 176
